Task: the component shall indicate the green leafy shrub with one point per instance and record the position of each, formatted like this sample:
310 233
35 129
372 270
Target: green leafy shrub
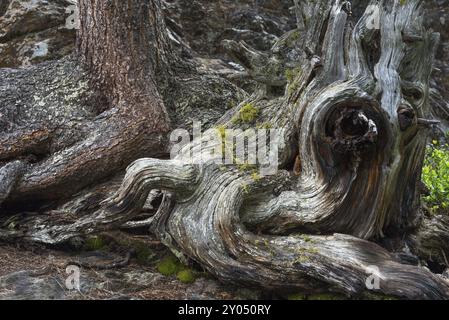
436 176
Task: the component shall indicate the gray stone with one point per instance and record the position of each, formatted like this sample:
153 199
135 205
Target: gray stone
32 31
23 285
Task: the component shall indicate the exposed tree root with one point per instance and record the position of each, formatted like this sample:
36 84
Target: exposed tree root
350 116
119 263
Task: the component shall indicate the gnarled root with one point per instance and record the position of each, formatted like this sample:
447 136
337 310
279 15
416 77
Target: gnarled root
156 174
206 227
359 146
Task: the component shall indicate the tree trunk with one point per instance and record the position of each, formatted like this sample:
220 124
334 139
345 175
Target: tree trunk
352 119
125 48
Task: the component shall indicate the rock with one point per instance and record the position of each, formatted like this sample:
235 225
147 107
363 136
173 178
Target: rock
205 23
138 279
128 282
33 31
209 289
23 285
203 289
133 281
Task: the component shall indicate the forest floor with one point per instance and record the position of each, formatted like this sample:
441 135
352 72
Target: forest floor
37 272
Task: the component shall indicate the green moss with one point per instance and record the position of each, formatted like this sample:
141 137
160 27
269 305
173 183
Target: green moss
308 250
186 276
292 87
292 78
245 167
326 296
377 296
306 238
265 125
301 259
231 104
402 2
142 251
169 266
222 131
272 70
293 38
245 188
247 114
95 243
255 176
297 296
290 74
304 254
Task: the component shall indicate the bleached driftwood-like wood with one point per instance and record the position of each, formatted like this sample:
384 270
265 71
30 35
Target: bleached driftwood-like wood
361 150
350 117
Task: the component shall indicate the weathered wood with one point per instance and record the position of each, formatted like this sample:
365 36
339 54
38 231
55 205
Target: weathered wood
431 240
52 228
349 116
359 168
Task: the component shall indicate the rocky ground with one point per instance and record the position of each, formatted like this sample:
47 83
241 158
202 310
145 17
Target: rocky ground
33 31
34 272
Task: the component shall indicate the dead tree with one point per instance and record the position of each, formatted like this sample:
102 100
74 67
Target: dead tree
353 119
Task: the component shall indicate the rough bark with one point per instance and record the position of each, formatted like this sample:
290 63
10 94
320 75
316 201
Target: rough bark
127 49
431 241
129 119
353 115
75 122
